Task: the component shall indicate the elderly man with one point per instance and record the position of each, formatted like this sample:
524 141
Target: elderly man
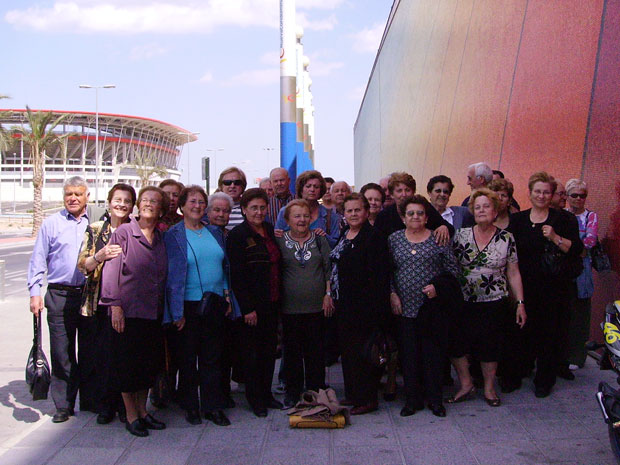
559 197
265 184
478 175
439 189
383 182
280 183
339 191
56 252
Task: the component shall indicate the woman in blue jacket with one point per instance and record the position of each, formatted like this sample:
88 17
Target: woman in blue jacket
197 263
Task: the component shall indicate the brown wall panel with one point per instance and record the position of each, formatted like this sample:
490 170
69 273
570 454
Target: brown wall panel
547 118
481 100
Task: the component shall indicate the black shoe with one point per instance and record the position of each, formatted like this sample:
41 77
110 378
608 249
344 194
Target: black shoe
407 411
193 417
566 374
542 392
274 404
229 402
151 423
260 412
62 415
217 418
438 409
137 428
122 416
105 417
289 402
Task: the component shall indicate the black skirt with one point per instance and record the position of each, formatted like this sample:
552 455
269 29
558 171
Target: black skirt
137 355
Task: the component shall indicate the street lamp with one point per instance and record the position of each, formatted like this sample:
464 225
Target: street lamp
97 161
214 161
188 134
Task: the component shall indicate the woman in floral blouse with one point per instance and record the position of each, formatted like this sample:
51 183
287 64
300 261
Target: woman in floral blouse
488 257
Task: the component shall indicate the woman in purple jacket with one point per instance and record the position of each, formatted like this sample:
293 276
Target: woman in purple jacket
133 286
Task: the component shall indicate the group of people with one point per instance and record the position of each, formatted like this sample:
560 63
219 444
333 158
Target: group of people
189 291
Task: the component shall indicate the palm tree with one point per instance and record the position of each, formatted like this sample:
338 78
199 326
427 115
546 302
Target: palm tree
6 141
39 137
145 164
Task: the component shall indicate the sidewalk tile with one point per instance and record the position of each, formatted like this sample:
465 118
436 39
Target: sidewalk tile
508 452
48 437
170 438
101 437
299 437
87 455
219 455
583 451
296 455
379 455
27 456
365 436
439 453
214 436
152 456
556 429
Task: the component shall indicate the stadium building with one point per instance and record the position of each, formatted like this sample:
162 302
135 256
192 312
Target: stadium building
128 146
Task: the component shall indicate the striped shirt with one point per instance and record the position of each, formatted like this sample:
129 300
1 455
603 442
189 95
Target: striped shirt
275 205
235 217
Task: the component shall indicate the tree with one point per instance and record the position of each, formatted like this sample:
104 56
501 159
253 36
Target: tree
6 139
39 137
145 164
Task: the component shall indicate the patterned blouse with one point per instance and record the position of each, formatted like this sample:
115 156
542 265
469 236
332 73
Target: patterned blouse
483 277
96 237
415 265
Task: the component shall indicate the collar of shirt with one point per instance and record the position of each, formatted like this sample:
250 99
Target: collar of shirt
448 215
69 216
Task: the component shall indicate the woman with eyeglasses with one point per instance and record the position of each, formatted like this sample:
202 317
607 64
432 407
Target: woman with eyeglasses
419 266
255 270
95 347
306 299
232 181
546 294
376 197
197 263
504 190
360 288
579 330
133 286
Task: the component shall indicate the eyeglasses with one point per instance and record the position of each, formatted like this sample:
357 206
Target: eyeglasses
580 196
230 182
201 203
439 191
415 212
150 201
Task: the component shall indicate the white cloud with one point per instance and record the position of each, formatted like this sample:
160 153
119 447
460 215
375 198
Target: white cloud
357 93
206 77
146 52
255 78
160 16
270 58
321 64
368 39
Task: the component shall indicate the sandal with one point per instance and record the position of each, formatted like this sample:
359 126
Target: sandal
468 395
493 402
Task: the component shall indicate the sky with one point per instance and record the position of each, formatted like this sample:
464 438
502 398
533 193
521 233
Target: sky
208 66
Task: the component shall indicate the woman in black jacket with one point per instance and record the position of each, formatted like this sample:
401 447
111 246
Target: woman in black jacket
360 288
255 271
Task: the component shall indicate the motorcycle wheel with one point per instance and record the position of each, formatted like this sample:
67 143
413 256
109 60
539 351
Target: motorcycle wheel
614 441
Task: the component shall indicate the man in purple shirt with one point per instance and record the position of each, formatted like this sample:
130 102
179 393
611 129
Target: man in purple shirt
56 252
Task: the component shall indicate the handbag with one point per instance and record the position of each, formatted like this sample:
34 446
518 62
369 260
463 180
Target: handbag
379 348
212 305
38 375
600 259
556 264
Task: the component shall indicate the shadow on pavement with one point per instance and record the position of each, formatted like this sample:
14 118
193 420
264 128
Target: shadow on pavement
15 395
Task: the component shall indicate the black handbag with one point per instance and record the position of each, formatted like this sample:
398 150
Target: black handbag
38 375
600 260
556 264
379 348
212 305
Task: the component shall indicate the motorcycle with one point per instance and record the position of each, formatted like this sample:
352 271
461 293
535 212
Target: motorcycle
607 397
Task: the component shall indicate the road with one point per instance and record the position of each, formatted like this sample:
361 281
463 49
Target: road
16 257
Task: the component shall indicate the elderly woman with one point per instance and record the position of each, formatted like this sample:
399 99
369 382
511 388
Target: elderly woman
232 181
133 286
311 186
418 262
255 268
218 211
439 189
173 189
95 346
306 298
539 231
488 258
197 264
579 329
360 288
375 196
504 191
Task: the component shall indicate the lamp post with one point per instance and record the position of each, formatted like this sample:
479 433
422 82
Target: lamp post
188 134
214 161
97 161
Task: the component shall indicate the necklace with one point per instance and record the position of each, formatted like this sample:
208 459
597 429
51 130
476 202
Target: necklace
198 232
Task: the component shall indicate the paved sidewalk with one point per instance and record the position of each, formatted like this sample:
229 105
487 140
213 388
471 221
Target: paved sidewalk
565 428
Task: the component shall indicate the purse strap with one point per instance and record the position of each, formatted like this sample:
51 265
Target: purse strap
36 324
197 267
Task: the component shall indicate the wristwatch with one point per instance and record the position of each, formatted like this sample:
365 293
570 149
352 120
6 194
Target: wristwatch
520 302
329 293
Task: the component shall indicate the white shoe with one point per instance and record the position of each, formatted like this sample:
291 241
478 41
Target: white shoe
573 367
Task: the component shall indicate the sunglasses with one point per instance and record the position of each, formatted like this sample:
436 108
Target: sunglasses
230 182
581 196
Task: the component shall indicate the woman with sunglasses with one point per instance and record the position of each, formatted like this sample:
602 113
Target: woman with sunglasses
306 299
579 330
232 181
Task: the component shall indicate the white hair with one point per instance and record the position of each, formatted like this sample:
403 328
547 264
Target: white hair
221 196
75 181
482 170
331 189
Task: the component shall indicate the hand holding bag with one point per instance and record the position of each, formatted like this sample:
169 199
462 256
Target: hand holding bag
556 264
38 374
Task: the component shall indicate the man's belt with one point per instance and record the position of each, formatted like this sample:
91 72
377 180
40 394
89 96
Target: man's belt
64 287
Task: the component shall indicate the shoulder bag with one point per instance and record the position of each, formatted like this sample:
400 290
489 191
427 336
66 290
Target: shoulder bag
38 375
212 305
556 264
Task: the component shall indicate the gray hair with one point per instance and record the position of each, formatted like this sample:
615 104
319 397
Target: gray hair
345 183
574 183
482 170
221 196
75 181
